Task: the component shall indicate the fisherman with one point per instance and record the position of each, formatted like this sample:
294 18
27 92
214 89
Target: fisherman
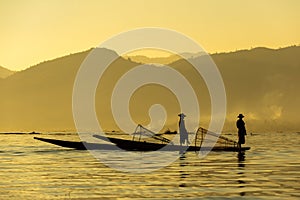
240 124
184 137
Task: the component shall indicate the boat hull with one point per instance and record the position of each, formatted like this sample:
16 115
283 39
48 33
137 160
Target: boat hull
129 145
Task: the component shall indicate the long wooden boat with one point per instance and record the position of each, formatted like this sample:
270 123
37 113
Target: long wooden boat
130 145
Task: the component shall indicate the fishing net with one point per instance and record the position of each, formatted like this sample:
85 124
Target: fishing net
203 138
142 134
212 139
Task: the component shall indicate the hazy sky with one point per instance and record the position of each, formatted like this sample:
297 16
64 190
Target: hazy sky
33 31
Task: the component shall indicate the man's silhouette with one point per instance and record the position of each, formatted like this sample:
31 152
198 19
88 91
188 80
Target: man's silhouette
182 130
240 124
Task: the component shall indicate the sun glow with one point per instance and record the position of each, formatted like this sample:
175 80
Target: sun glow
34 31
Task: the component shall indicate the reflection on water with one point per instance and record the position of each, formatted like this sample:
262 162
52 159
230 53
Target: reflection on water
241 165
32 169
183 174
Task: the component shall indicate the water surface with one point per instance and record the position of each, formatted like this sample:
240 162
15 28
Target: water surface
32 169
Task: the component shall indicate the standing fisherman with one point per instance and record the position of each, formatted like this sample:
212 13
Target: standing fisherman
182 130
240 124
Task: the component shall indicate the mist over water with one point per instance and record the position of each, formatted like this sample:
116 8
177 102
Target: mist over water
33 169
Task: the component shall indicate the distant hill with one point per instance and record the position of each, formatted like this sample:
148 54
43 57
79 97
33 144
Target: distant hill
163 60
148 60
261 83
5 72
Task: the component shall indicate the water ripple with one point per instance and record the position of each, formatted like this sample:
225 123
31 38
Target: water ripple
32 169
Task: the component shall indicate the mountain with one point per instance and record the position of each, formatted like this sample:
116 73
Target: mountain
5 72
40 97
148 60
163 60
261 83
192 55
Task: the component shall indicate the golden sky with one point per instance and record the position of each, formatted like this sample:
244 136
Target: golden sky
33 31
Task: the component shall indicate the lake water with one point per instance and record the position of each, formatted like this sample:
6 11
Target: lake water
32 169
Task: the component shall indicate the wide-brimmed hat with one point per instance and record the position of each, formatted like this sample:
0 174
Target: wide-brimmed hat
181 115
240 116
